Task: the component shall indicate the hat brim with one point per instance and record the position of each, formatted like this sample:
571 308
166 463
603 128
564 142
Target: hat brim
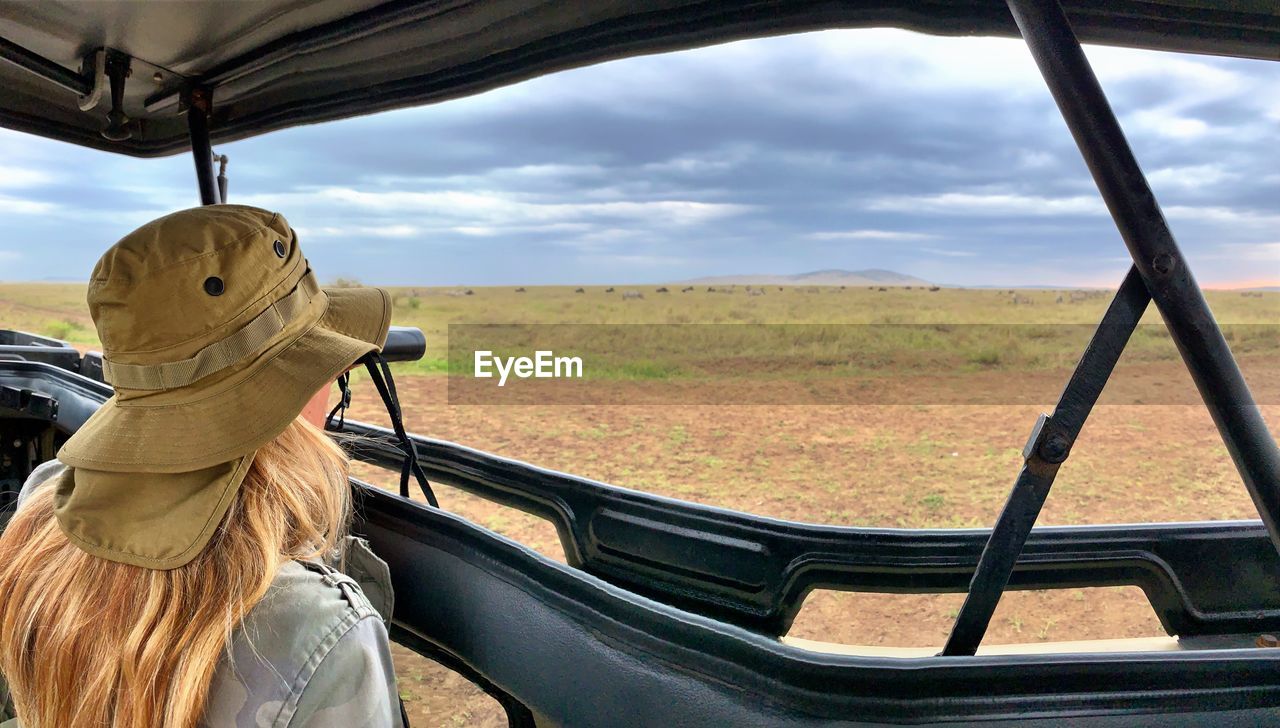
241 413
156 521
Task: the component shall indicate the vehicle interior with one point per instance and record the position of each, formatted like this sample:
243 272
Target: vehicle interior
670 612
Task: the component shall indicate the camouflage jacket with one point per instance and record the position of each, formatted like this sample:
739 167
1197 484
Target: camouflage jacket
313 652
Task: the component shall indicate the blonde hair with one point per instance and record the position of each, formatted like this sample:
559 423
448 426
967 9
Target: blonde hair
90 642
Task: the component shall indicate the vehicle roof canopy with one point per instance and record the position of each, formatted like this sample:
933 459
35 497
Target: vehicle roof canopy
273 64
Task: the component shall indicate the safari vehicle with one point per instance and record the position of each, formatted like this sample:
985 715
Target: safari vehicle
671 613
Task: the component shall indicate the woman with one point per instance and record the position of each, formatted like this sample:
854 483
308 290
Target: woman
173 567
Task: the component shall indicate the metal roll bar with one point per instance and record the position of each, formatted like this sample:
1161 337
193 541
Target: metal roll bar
1159 273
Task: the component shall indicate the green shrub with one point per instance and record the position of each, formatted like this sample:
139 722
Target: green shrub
64 329
989 357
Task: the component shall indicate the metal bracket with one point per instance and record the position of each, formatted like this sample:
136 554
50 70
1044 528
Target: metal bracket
1036 437
94 67
1047 443
117 70
28 402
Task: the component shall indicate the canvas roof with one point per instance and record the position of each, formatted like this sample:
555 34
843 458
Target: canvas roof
273 64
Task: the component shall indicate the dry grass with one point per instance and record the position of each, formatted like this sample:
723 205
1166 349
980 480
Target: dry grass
915 465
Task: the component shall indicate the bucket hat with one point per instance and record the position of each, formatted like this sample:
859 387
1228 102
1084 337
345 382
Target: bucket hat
215 335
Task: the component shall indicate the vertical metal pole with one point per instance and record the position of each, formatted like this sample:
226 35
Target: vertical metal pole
201 150
1145 231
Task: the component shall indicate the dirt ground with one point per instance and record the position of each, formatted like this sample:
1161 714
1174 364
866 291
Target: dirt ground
942 465
918 446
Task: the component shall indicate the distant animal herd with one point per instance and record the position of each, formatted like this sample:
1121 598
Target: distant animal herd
1014 297
750 290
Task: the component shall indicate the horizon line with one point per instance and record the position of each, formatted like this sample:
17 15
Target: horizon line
1215 286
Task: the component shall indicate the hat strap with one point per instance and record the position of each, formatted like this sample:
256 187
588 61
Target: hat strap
249 340
380 374
344 401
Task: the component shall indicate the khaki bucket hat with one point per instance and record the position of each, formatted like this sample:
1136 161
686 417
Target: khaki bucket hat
215 335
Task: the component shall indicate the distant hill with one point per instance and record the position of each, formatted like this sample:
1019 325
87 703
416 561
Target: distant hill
831 277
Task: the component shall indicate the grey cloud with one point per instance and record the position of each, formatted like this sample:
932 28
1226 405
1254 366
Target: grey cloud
788 137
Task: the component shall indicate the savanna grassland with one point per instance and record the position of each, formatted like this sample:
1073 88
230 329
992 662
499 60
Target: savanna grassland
910 445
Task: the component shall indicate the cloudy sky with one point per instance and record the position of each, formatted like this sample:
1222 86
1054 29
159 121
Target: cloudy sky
941 158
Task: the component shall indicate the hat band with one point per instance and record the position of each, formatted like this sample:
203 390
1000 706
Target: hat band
219 355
